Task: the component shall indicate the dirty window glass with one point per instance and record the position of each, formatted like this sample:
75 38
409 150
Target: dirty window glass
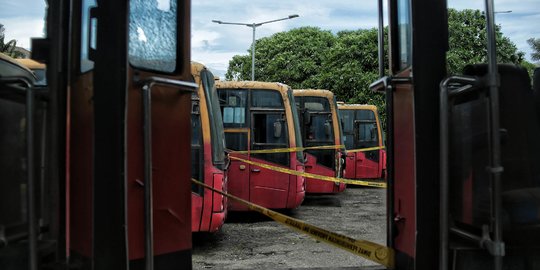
233 104
152 34
266 99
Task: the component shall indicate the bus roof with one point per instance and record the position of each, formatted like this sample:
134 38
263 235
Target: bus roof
314 92
253 85
30 63
11 67
196 67
344 106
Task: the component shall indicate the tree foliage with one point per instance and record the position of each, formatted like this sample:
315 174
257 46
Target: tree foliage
346 63
8 48
535 45
467 41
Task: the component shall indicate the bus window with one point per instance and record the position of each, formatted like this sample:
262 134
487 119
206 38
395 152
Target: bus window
269 127
347 117
404 34
153 35
197 150
234 108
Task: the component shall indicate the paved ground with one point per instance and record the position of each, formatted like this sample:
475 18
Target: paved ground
252 241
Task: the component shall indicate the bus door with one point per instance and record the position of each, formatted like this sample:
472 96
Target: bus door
129 159
237 135
269 130
412 123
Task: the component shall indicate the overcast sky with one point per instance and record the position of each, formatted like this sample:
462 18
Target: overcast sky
214 44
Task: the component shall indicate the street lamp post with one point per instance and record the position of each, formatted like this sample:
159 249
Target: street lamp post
254 26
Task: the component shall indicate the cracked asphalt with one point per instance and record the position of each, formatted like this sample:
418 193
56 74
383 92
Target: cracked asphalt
252 241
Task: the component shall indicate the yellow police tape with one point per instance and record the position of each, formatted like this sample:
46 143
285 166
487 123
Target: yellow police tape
314 176
369 250
288 150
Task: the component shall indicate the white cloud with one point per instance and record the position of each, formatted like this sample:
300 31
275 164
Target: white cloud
22 29
24 19
218 62
201 39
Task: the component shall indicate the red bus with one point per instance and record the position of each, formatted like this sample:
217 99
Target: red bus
103 179
208 159
320 126
362 129
261 116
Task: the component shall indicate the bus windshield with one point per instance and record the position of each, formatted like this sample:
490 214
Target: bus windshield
360 129
317 120
316 127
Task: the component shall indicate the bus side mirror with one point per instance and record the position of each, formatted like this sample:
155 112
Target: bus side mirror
356 131
373 134
307 117
328 128
278 126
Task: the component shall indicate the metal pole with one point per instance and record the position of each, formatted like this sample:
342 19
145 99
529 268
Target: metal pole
253 54
148 211
443 191
496 168
381 39
32 232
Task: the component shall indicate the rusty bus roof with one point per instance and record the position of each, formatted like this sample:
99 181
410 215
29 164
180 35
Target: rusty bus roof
345 106
30 63
196 67
252 85
12 65
314 92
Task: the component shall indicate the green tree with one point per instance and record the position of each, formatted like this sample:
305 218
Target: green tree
292 57
535 45
9 47
467 40
346 63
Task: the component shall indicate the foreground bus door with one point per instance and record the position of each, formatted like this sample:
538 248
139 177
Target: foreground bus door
130 193
417 65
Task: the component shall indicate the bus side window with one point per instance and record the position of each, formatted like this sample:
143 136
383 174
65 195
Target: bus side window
153 35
